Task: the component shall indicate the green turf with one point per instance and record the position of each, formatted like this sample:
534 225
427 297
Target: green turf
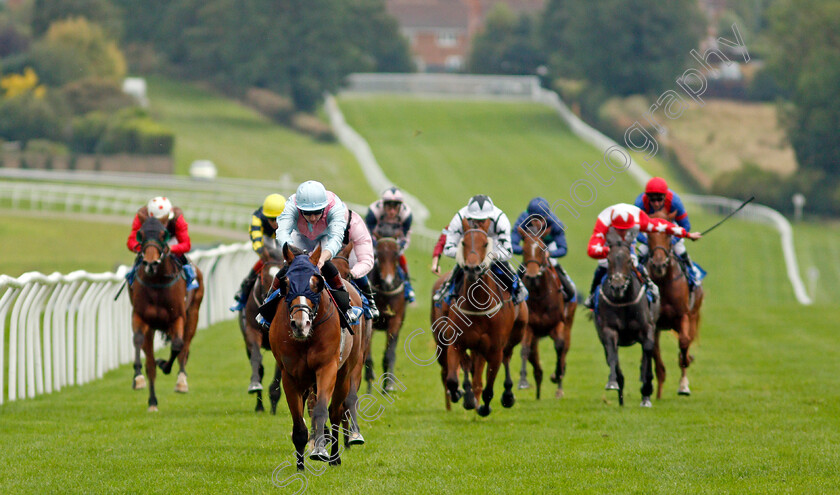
246 145
762 417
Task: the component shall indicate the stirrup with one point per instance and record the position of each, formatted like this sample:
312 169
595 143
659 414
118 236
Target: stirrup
353 315
590 301
261 322
238 306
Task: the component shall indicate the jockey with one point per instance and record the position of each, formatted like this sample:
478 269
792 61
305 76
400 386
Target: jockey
480 207
361 258
441 242
263 226
314 216
622 217
657 197
391 209
172 218
554 238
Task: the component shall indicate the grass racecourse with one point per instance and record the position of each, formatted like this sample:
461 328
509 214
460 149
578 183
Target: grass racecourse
762 417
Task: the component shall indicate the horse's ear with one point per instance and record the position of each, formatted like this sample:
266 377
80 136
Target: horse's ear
465 225
345 252
522 232
288 255
316 255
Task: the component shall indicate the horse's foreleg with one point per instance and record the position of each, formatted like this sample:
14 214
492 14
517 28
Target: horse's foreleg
453 361
139 328
558 335
659 365
341 392
609 339
325 378
148 348
494 362
390 357
525 352
685 338
274 390
646 368
177 345
508 398
255 355
299 434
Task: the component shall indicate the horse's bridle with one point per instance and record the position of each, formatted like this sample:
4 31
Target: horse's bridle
387 291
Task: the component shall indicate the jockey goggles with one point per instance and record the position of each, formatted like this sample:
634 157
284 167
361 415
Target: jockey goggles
312 212
392 204
656 197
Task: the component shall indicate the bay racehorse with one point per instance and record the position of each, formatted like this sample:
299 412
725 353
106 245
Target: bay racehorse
256 337
389 289
482 320
439 323
160 301
308 342
680 307
624 315
548 313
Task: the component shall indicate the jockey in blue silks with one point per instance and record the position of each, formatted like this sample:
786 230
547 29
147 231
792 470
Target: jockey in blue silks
554 237
657 197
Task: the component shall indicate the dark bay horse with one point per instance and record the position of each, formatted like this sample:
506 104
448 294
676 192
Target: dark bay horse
680 308
256 337
160 301
624 315
483 321
308 342
390 297
548 314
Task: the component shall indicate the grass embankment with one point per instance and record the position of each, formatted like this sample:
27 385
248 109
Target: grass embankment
759 419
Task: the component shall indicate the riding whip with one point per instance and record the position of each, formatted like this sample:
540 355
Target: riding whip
713 227
121 289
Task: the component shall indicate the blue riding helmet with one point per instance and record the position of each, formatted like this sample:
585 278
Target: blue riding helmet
311 196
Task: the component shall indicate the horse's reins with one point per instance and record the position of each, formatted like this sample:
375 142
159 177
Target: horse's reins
399 288
162 250
670 255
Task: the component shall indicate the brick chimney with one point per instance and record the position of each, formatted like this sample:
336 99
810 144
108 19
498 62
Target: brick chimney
473 17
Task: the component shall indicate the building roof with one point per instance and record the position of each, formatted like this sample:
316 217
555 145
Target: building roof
449 14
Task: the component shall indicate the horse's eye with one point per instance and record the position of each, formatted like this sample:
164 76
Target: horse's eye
486 244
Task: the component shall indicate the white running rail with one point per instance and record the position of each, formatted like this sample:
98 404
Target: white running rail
68 330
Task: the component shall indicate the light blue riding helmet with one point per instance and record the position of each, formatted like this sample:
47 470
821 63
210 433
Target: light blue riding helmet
311 196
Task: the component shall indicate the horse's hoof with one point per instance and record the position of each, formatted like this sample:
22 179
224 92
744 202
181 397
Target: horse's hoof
139 382
523 384
356 438
336 462
255 387
646 402
553 378
684 390
483 411
508 400
558 394
181 385
389 387
162 364
320 454
455 398
469 401
611 385
153 409
259 408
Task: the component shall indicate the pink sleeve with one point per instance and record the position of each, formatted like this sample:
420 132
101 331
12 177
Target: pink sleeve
362 247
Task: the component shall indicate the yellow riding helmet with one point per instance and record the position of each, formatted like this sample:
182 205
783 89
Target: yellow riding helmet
274 205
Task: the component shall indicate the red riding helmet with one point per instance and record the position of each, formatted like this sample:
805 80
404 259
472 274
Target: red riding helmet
622 217
657 185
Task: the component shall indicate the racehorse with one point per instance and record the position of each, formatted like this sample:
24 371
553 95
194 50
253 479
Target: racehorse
624 316
438 323
548 314
256 337
680 308
389 291
490 326
308 342
160 301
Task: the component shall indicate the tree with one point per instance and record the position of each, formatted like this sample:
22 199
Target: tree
624 46
807 64
507 45
101 12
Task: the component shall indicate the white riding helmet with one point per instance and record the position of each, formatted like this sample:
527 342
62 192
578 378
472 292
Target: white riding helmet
161 208
392 194
480 207
311 196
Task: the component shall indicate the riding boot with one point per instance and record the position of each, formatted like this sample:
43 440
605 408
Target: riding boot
241 296
409 290
191 277
596 281
364 285
269 307
349 314
688 269
652 288
566 284
449 284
